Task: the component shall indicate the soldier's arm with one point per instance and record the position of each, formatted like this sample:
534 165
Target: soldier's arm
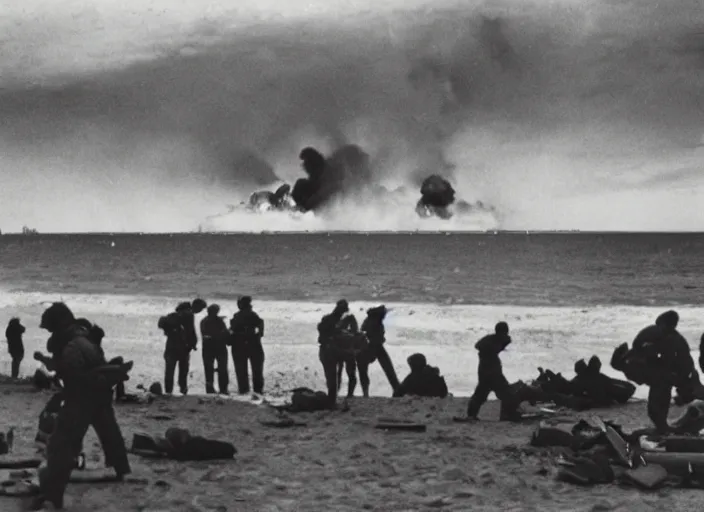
260 325
45 360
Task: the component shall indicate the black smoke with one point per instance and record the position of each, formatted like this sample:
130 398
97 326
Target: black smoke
521 112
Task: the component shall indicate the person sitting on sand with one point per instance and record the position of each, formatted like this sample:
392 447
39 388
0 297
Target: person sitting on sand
597 389
424 380
329 329
373 327
491 376
215 337
15 346
78 362
247 329
176 353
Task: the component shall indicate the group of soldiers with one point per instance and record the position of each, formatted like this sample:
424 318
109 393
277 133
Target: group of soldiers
344 345
244 337
659 358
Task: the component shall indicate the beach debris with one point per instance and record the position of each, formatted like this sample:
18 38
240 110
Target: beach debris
155 388
19 462
397 424
282 422
619 445
597 454
588 389
692 420
160 417
586 470
648 477
305 400
179 444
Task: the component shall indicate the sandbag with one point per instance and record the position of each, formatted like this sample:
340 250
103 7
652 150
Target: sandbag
587 471
188 447
180 445
692 420
554 433
648 477
307 400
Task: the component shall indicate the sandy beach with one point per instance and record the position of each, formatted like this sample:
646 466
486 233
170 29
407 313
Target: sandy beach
339 461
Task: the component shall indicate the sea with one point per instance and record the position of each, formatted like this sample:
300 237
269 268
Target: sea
565 296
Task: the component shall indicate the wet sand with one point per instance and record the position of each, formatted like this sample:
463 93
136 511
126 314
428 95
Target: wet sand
339 461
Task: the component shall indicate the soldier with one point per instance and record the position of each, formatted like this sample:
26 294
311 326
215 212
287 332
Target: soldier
87 399
215 337
247 332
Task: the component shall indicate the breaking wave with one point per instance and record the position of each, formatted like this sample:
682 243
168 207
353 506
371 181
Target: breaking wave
148 117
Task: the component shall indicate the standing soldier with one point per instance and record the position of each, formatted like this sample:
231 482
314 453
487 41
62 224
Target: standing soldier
176 353
247 332
491 376
15 347
87 400
215 337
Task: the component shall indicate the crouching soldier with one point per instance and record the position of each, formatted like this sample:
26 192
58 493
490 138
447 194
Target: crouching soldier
424 380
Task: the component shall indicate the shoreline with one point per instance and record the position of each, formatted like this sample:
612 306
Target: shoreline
317 299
